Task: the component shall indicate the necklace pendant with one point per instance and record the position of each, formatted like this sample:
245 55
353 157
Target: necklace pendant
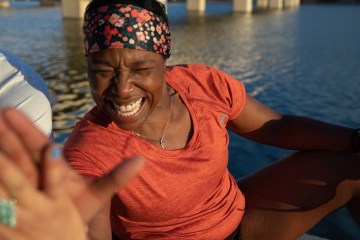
162 143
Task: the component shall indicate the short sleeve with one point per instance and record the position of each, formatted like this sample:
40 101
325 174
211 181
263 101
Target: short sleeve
233 90
206 83
90 148
82 164
78 152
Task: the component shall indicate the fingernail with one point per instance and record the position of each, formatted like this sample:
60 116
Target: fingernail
55 153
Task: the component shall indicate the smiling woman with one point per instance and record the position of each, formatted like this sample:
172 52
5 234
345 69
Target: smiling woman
128 85
177 118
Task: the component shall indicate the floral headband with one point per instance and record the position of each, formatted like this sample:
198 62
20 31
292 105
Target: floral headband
125 26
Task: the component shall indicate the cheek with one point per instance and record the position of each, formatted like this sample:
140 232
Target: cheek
98 87
157 80
157 89
97 94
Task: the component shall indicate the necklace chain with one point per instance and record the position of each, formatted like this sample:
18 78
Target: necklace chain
161 139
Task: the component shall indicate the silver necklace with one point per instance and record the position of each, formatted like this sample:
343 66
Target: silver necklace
161 139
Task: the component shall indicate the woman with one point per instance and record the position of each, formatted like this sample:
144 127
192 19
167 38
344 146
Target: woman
177 118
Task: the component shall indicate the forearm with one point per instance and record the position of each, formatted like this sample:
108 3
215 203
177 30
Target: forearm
301 133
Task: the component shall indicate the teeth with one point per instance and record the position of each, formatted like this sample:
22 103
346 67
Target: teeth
128 110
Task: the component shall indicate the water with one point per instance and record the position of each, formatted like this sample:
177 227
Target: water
299 61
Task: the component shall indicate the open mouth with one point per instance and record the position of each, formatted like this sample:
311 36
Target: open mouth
128 110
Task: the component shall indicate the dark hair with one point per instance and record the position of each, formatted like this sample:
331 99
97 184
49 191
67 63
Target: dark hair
151 5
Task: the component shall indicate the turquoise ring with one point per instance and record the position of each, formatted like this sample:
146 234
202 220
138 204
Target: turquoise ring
8 212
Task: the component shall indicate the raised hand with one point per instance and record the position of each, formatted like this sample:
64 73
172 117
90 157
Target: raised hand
53 201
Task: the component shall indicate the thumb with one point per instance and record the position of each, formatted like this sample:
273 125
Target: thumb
123 173
101 191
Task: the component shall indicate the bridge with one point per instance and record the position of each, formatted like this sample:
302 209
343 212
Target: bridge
76 8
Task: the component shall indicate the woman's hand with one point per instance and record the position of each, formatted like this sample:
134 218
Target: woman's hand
47 214
61 205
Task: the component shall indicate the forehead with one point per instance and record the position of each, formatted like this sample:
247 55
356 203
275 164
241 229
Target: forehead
125 56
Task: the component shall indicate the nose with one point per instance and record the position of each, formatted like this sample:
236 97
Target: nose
123 84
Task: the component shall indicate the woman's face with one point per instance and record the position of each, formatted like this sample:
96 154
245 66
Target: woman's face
127 84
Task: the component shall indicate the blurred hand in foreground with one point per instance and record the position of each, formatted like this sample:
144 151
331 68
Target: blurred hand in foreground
52 200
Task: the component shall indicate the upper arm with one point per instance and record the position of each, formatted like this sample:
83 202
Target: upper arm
254 120
99 226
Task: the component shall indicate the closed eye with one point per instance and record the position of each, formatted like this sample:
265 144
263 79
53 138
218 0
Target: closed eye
141 69
103 73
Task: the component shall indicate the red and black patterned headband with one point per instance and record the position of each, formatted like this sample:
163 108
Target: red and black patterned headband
125 26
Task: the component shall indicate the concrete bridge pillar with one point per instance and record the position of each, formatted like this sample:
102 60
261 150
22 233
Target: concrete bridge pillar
4 3
288 3
242 5
196 5
291 3
296 3
262 3
47 2
74 8
276 4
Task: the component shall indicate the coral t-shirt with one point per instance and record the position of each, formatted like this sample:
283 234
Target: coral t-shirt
180 194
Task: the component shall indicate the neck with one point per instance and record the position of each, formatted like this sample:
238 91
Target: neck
158 136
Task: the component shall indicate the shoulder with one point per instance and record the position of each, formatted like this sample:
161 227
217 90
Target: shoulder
95 144
192 75
192 70
206 82
209 86
94 123
94 129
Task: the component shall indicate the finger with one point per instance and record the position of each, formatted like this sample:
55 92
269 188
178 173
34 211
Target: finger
7 233
16 184
12 146
54 172
3 193
101 191
34 140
